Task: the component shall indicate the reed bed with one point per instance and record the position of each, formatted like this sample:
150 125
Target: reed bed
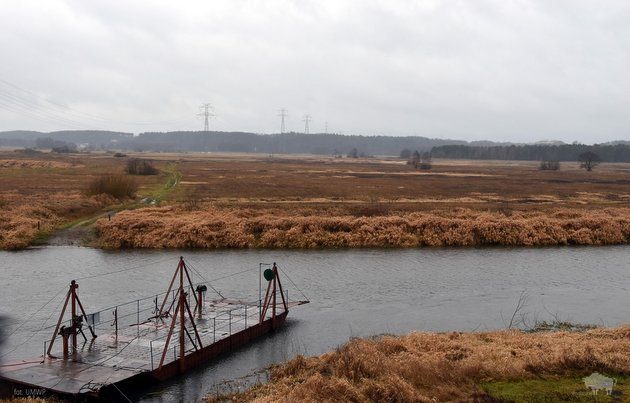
24 163
212 227
441 367
25 218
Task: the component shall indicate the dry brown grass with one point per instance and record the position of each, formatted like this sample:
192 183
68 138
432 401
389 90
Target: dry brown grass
211 227
310 202
254 181
27 400
50 190
24 163
118 186
19 221
441 367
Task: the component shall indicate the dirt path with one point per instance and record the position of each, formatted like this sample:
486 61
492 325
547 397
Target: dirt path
82 233
78 234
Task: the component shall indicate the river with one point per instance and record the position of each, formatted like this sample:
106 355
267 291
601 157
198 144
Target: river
352 293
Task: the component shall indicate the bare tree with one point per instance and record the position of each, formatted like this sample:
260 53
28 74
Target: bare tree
549 165
415 159
425 161
518 316
405 153
589 160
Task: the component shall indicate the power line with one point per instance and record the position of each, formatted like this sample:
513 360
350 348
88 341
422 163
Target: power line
28 101
26 106
306 120
124 270
283 114
206 114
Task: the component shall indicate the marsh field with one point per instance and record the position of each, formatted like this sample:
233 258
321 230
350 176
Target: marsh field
199 200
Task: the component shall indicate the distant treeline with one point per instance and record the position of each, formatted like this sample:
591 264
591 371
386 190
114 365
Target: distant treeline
300 143
228 142
534 152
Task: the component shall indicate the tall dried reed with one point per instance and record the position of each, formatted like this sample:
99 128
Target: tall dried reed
118 186
23 219
210 227
443 367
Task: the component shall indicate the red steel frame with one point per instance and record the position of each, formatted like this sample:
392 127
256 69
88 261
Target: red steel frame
180 311
74 329
270 297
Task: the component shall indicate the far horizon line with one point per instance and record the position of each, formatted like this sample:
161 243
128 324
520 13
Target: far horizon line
497 142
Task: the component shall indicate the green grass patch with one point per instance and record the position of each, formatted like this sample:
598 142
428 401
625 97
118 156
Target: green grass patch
41 238
565 389
173 177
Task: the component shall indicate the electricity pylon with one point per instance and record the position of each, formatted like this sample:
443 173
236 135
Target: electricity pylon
283 114
205 112
307 118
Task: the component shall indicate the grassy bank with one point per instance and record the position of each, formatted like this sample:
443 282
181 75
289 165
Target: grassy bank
509 365
28 220
254 201
42 193
211 227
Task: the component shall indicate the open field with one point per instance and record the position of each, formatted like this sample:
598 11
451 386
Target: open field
42 192
259 181
254 200
495 366
248 201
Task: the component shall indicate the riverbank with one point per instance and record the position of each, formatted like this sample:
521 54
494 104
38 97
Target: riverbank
211 227
43 196
209 201
490 366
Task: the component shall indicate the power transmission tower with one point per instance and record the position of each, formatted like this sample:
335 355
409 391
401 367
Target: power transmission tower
326 128
205 112
283 114
307 118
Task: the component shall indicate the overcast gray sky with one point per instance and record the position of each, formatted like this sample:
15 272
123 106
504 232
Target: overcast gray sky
499 70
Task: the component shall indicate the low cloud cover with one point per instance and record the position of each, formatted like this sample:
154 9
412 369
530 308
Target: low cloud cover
499 70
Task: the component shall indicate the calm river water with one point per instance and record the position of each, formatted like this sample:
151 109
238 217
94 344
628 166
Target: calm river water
352 293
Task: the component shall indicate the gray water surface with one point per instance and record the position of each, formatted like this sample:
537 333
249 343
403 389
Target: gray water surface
352 293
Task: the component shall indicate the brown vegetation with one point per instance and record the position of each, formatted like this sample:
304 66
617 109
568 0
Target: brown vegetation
136 166
41 192
210 227
441 367
118 186
230 200
35 164
21 223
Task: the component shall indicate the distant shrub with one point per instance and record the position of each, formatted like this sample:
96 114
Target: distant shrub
589 160
28 151
120 155
549 165
118 186
137 166
65 149
420 161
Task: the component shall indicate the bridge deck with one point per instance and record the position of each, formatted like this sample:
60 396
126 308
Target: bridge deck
137 348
